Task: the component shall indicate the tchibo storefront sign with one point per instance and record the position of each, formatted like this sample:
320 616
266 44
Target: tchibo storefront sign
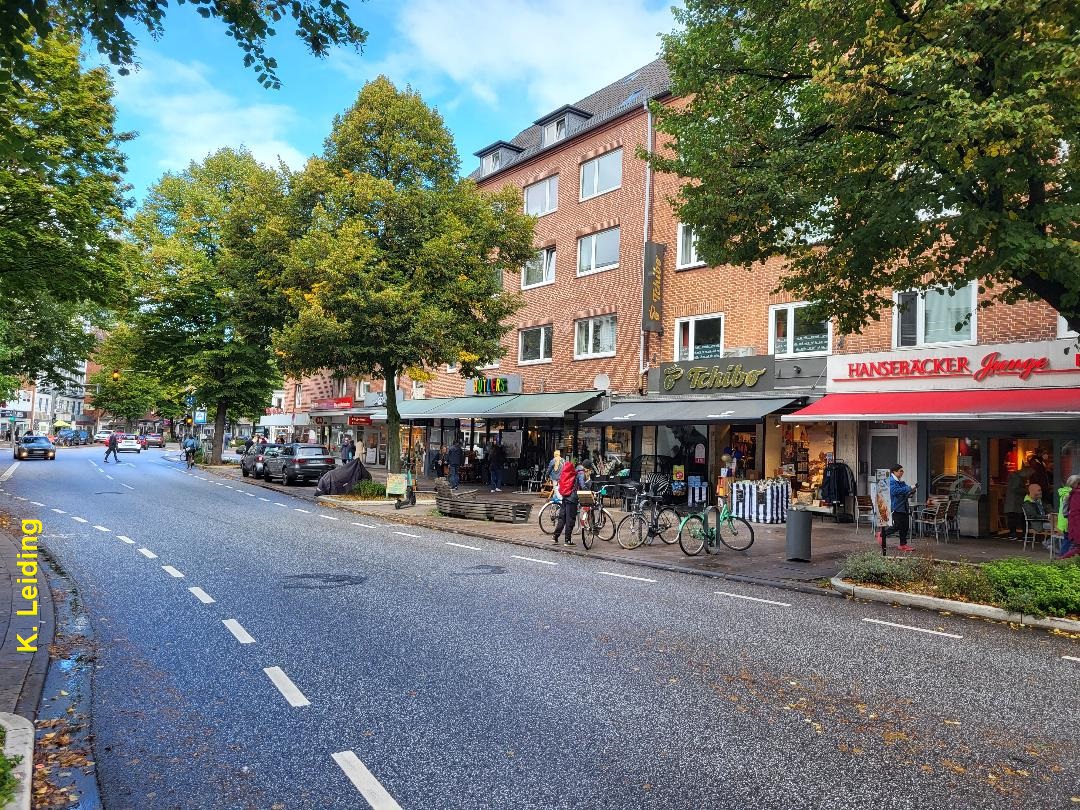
1041 364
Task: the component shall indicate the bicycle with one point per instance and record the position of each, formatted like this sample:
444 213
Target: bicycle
549 516
637 528
595 520
189 457
695 533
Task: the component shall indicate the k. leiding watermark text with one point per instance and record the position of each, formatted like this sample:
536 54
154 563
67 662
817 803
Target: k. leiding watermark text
27 561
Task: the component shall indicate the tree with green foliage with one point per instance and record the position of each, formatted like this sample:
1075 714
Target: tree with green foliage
63 264
896 144
138 388
398 264
212 238
319 25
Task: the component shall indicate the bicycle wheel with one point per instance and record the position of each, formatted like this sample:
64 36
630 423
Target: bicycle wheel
667 525
692 535
548 516
736 533
632 531
605 524
588 531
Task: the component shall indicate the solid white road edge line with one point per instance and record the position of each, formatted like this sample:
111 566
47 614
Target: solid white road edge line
125 538
909 627
239 632
462 545
752 598
625 576
148 553
533 559
364 781
172 572
202 595
79 519
406 534
286 687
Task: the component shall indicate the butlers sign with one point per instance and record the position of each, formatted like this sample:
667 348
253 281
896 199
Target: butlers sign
1039 364
719 376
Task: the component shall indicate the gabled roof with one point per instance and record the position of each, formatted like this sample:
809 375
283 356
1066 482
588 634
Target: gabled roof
565 108
649 82
492 147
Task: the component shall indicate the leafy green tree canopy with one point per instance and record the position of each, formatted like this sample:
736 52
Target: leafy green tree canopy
211 238
398 264
889 144
319 25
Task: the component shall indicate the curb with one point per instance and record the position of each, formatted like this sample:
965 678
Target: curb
977 611
407 520
19 743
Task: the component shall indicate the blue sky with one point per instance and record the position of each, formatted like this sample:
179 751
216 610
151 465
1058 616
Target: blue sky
490 67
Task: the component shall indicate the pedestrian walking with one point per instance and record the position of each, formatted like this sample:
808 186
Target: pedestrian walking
455 457
496 460
1069 516
110 447
571 479
899 492
348 449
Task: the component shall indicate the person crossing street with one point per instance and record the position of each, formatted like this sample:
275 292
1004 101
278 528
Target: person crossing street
110 447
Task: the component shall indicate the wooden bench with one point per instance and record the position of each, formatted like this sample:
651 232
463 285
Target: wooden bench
469 506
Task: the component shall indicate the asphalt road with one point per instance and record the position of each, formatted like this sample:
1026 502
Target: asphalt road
257 651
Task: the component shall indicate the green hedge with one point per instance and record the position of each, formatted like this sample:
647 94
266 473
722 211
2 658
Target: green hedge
8 783
369 490
1019 585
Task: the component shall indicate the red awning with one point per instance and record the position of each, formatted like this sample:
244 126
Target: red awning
1035 403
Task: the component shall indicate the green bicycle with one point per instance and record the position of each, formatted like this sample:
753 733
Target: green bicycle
696 532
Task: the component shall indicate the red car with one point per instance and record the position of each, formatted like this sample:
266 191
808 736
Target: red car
153 440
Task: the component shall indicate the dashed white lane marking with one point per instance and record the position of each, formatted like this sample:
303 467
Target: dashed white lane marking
219 484
202 595
148 553
102 528
278 503
227 486
365 525
37 503
462 545
79 519
125 485
286 687
18 497
752 598
533 559
125 538
328 517
364 781
172 572
406 534
110 477
241 634
261 498
59 511
909 627
625 576
1070 658
298 509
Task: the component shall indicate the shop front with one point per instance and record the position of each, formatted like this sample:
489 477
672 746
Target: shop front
963 420
277 426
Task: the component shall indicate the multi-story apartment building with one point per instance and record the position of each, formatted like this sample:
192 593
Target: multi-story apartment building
630 347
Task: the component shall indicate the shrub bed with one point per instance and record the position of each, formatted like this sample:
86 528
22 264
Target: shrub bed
8 783
1019 585
368 491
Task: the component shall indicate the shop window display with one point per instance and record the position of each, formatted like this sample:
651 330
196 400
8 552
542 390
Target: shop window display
955 467
806 450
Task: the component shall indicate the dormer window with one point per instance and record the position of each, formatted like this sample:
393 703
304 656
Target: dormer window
497 156
555 131
491 163
557 125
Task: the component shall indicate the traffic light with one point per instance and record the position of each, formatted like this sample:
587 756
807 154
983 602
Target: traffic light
116 376
188 421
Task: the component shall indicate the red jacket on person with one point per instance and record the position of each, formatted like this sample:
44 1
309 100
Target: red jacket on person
1074 516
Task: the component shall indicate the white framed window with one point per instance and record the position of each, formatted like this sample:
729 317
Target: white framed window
363 387
700 337
686 253
555 131
491 163
791 333
452 367
594 337
1063 330
418 389
539 270
598 251
342 388
929 317
298 393
543 197
601 175
534 345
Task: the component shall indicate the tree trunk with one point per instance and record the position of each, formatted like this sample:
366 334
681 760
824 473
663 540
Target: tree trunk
219 432
393 426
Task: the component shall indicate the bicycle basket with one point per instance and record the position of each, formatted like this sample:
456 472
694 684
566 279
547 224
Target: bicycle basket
586 497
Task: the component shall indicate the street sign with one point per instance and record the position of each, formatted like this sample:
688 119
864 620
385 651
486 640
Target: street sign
190 400
200 416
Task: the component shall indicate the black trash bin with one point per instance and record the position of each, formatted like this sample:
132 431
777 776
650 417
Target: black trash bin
799 525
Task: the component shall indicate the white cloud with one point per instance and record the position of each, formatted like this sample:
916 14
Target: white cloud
553 52
186 117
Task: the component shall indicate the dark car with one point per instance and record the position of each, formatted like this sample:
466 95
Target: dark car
153 440
298 462
253 462
35 447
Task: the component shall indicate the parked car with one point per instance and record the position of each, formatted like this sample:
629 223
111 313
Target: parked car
253 462
35 447
299 462
153 440
129 442
102 436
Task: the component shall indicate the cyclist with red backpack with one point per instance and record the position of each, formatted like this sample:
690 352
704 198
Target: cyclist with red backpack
571 479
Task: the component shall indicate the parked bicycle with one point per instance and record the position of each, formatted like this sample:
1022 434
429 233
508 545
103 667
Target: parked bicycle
697 531
549 515
649 519
595 521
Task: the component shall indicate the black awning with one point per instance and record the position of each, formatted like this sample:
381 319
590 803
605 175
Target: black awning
687 411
